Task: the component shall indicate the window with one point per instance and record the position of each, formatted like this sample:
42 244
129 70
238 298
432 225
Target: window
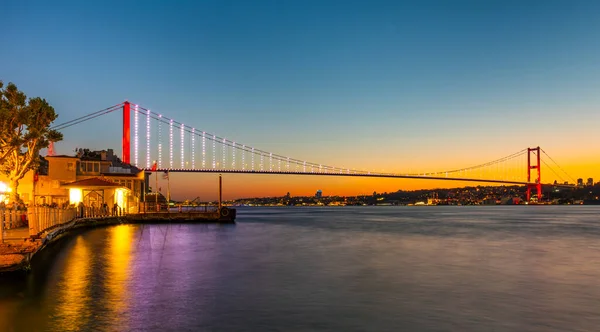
70 166
90 167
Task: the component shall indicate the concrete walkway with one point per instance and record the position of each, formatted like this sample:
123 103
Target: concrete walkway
16 235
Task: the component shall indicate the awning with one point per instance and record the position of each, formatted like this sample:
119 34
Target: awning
93 183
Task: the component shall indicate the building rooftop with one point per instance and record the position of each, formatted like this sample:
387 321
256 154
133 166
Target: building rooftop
91 183
62 156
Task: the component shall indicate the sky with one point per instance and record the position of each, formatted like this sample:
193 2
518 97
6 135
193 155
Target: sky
375 85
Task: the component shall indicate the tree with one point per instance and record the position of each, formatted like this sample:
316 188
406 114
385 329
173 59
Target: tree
10 99
24 131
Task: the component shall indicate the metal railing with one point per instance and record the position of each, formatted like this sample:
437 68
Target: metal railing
150 207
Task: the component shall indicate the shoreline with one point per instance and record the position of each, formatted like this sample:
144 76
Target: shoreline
17 257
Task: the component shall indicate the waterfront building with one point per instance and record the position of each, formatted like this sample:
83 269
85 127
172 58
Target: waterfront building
93 179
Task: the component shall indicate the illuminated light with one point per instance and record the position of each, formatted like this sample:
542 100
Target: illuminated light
75 195
233 156
261 160
193 148
135 135
270 162
182 129
224 164
203 150
288 164
253 159
159 141
278 164
214 153
304 167
171 144
148 140
243 157
120 195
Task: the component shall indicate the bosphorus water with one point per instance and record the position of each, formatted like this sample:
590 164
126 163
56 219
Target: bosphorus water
486 268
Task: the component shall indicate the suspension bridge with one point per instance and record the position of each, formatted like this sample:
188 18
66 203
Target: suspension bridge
152 141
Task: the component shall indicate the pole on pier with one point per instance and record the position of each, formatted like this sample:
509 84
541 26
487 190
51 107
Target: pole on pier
220 191
168 191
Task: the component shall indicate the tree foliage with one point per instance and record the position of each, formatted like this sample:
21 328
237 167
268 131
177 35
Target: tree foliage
24 131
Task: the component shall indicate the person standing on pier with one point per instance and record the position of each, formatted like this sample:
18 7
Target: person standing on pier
80 209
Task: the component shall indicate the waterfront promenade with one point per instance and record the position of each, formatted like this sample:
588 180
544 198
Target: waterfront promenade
16 235
19 247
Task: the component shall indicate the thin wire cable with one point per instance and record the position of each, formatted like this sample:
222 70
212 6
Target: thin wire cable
85 118
567 174
296 162
553 171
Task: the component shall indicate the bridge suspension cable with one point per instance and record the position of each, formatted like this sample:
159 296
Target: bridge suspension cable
261 154
182 142
87 117
557 165
489 163
223 157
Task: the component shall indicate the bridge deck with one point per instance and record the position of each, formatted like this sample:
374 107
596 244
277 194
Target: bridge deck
349 174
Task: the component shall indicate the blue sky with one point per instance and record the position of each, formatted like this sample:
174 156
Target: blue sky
366 79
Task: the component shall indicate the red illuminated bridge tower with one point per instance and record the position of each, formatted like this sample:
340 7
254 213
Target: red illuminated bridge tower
126 158
538 181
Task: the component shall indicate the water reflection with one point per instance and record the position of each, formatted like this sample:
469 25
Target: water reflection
355 269
73 301
118 260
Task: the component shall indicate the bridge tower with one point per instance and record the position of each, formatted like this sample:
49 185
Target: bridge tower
126 133
538 181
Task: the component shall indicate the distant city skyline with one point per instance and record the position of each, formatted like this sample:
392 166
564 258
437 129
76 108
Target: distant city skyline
378 85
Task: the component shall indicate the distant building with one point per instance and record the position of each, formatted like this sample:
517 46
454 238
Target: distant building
590 182
319 194
580 182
